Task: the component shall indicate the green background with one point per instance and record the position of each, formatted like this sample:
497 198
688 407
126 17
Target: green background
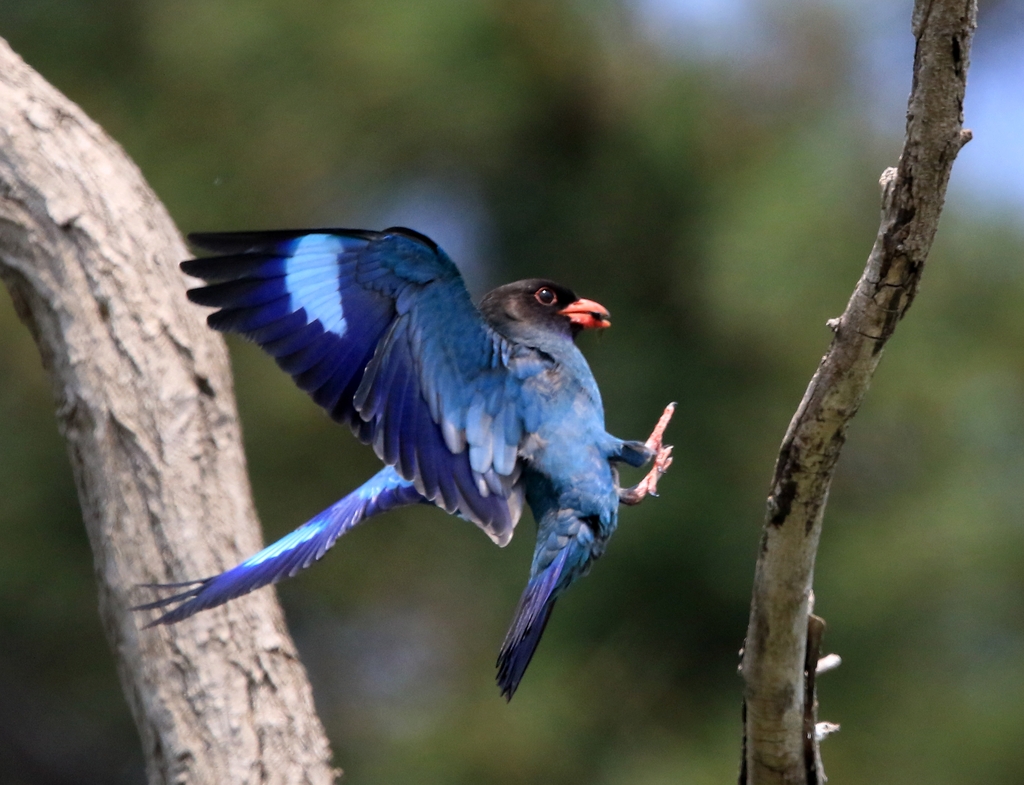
721 205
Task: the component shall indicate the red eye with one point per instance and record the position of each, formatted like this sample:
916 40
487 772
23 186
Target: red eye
544 296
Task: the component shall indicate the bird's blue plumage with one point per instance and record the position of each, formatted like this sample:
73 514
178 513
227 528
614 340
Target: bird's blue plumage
385 491
363 321
470 409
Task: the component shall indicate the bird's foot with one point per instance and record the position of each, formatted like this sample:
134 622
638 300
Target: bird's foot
648 486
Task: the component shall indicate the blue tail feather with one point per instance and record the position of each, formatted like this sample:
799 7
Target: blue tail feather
385 491
532 614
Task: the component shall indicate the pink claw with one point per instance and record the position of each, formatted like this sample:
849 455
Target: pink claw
648 486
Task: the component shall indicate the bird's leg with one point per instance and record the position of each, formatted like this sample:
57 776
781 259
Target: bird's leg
662 460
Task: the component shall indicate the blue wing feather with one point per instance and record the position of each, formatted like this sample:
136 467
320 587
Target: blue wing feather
276 330
297 338
248 320
393 427
378 327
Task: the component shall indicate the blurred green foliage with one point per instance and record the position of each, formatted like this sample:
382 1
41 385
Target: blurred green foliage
722 214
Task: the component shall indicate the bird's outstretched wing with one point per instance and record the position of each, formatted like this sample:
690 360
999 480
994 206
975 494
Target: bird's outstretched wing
379 329
294 552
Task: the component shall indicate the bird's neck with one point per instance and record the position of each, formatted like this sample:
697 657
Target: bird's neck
558 344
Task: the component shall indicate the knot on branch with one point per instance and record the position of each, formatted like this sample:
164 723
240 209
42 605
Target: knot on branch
887 183
781 502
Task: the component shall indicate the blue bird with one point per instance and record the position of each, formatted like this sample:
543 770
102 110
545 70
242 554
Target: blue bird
472 409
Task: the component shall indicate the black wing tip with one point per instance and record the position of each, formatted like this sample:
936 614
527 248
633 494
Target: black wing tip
201 295
215 241
258 240
412 234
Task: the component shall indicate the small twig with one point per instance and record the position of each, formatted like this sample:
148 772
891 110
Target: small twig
825 729
828 663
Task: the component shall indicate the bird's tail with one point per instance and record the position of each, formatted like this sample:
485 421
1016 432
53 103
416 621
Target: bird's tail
385 491
528 625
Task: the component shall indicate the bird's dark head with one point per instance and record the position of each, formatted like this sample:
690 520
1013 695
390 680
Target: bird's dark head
538 303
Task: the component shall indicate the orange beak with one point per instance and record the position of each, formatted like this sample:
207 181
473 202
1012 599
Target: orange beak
587 315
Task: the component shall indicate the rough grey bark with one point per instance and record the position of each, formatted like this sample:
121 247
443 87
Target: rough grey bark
145 402
776 747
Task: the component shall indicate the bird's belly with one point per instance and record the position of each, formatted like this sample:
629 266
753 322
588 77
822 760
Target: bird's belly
577 474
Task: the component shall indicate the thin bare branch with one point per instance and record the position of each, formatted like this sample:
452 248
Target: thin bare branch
912 197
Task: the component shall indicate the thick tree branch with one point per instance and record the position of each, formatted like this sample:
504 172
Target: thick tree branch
145 402
913 195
